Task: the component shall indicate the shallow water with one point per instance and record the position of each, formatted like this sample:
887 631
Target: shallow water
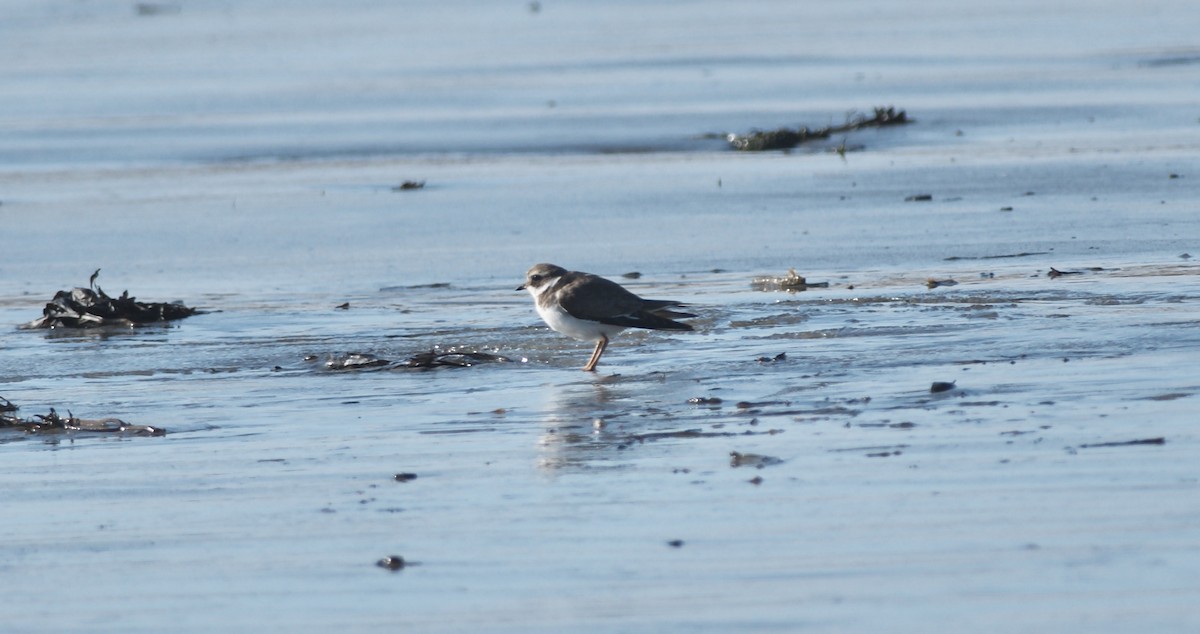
253 179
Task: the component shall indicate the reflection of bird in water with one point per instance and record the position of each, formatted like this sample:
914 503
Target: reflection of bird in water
590 308
575 432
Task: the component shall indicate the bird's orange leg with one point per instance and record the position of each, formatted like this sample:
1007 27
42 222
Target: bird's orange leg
600 346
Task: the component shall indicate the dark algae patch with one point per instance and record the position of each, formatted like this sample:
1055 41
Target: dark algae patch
1126 443
434 358
787 138
55 423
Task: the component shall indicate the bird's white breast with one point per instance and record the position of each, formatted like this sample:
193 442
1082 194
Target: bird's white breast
581 329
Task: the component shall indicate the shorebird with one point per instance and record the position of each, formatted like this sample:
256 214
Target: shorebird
590 308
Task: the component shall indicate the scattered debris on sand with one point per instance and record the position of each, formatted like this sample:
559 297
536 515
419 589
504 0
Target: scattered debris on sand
1055 273
434 358
1023 254
54 423
787 138
758 461
792 282
355 361
695 433
92 308
934 283
454 358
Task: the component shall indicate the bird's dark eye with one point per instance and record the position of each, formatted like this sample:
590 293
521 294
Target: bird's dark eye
535 278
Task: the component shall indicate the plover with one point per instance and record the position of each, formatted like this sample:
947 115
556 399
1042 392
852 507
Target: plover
590 308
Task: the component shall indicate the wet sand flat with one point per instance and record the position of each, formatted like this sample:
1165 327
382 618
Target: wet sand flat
983 419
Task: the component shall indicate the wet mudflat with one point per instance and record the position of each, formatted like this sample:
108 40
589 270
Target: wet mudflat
539 485
786 467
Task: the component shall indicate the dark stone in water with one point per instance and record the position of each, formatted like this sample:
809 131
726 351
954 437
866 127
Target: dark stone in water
392 562
941 386
405 477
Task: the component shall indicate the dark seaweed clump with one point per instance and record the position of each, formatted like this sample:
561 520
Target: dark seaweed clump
93 308
786 138
435 358
56 423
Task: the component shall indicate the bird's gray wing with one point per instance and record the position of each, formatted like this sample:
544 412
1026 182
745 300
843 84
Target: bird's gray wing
594 298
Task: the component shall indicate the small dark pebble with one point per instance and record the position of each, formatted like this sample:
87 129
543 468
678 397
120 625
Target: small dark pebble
632 275
919 198
756 480
704 400
393 563
941 386
404 477
345 306
1006 209
675 543
408 185
782 356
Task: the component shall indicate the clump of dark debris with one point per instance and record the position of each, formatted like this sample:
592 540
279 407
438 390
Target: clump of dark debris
758 461
434 358
792 282
786 138
55 423
92 308
409 186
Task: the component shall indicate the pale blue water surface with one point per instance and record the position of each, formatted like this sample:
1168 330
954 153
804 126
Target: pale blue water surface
241 157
